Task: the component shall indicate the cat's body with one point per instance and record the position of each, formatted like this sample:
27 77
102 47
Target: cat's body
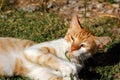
21 57
17 61
47 60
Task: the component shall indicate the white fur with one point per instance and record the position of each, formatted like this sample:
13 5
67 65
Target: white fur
35 70
61 46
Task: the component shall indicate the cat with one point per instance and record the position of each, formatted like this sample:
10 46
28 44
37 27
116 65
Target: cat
47 60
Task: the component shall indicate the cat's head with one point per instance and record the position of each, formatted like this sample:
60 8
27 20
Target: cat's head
82 41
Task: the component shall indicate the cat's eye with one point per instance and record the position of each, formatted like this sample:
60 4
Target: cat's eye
72 38
82 45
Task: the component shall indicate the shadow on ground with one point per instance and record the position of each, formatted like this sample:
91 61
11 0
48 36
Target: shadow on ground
111 57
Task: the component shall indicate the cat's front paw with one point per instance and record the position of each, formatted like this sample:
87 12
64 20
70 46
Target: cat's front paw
68 68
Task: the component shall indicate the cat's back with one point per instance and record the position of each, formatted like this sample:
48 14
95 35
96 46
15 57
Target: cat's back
8 45
11 56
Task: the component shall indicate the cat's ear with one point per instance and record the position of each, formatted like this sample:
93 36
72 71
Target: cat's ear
75 23
102 41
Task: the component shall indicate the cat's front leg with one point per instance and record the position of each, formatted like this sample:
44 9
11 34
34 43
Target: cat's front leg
47 59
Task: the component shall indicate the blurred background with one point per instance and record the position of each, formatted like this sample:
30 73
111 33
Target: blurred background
66 7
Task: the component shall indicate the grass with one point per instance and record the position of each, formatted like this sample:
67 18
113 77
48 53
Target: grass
41 26
35 26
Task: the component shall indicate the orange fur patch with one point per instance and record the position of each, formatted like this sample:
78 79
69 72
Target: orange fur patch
46 62
1 71
51 62
50 50
38 58
3 47
56 78
19 68
10 44
28 43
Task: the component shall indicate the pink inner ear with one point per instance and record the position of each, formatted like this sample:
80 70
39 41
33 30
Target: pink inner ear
101 45
102 41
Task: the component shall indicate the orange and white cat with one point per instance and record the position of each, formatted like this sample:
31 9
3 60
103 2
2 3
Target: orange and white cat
47 60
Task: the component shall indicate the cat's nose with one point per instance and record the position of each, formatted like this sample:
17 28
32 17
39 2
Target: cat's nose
73 48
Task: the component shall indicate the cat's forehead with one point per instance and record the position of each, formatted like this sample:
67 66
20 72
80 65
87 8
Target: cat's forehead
84 33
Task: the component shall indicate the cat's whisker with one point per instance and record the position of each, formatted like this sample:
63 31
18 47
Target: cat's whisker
84 61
